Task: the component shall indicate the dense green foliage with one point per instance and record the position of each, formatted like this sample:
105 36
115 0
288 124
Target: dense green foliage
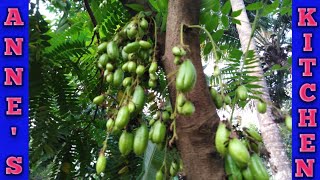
67 130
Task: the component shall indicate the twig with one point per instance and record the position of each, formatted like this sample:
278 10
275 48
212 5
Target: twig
93 20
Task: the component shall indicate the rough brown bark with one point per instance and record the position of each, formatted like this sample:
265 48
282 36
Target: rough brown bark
195 133
280 163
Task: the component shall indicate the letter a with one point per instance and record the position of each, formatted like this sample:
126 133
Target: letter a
13 18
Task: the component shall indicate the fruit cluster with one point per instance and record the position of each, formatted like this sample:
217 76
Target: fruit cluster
241 156
130 72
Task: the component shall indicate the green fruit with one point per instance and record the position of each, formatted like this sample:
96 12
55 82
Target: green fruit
159 132
101 163
173 169
124 55
102 47
232 171
106 72
159 175
288 122
116 130
132 30
188 108
157 115
216 71
127 81
125 66
110 125
118 77
262 107
131 107
138 98
140 140
177 60
222 138
109 78
152 83
257 168
113 50
242 93
151 122
247 175
132 66
182 52
131 47
109 67
123 33
143 55
153 76
186 77
213 93
153 67
144 24
123 117
125 143
227 99
98 100
140 70
253 134
239 152
181 99
103 60
218 101
255 147
132 57
165 116
144 44
151 130
176 51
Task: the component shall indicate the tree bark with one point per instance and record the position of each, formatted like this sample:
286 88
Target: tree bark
196 133
280 164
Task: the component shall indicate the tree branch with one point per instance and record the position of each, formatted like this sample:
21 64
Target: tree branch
93 19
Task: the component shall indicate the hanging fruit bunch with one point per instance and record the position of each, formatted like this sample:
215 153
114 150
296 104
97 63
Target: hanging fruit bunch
130 74
240 150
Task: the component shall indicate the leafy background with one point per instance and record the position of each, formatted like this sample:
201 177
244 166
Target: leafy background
67 130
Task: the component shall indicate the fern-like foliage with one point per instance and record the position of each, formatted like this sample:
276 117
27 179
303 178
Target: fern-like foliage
65 138
238 71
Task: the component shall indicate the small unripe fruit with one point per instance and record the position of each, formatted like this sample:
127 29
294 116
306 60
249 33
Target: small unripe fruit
101 163
98 100
140 70
242 93
262 107
288 122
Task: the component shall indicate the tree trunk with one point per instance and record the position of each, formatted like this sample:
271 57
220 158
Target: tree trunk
280 164
196 133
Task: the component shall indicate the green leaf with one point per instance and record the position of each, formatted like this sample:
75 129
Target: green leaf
135 7
236 53
254 6
217 35
236 13
270 8
276 67
207 49
290 60
212 22
225 21
235 21
163 5
208 5
226 8
154 4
